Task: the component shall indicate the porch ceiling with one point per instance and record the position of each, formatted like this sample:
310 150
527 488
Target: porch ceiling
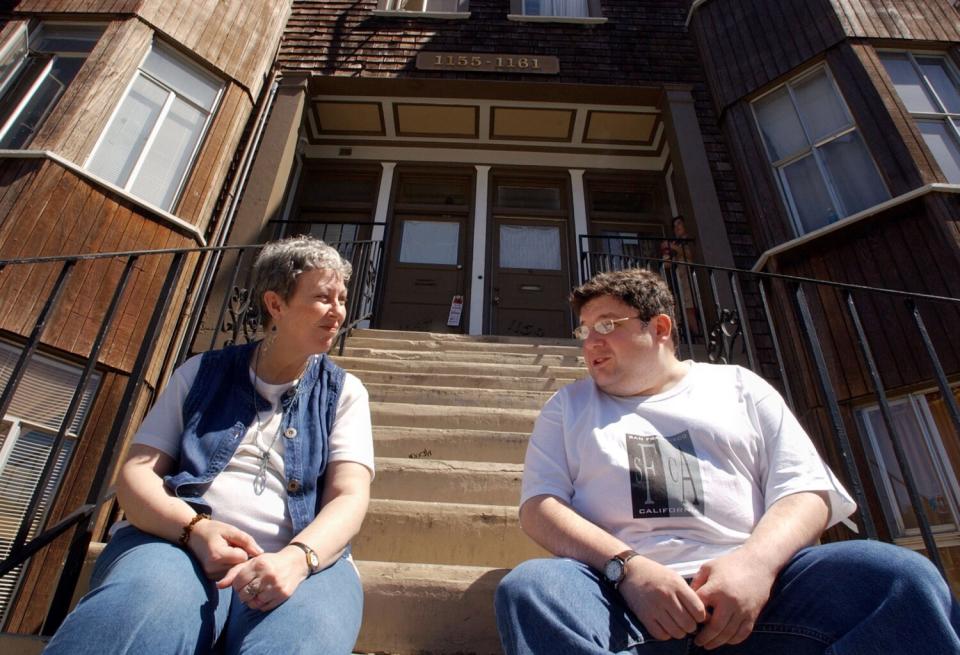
477 122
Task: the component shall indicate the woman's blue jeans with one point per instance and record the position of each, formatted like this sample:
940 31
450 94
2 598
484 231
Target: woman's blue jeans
849 598
149 596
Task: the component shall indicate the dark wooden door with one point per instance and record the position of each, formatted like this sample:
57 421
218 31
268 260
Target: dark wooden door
530 277
425 272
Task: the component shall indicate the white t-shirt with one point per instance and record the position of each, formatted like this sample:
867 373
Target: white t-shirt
684 476
231 494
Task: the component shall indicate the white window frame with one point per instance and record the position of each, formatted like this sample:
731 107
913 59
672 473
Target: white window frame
31 35
392 8
164 111
518 12
16 426
952 120
812 149
946 477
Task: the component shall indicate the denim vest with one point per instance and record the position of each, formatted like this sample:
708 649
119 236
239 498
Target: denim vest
219 409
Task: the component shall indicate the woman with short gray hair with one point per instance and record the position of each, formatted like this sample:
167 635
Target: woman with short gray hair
243 488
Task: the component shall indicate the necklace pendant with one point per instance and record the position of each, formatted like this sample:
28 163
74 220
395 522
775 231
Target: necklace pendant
260 480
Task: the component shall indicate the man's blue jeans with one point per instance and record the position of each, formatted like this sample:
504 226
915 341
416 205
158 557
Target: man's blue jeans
849 598
149 596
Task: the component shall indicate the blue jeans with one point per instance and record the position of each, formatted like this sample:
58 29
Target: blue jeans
849 598
149 596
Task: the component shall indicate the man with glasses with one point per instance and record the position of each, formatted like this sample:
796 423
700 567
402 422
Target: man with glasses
682 501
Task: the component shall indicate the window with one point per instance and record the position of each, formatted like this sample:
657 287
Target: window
35 70
27 433
426 6
928 87
568 8
822 165
154 135
932 447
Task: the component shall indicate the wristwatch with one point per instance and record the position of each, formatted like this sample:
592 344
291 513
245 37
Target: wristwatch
615 570
313 560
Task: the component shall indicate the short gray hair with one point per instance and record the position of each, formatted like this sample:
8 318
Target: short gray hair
280 263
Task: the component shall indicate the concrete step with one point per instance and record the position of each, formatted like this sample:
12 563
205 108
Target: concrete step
406 335
443 533
425 608
483 483
458 444
521 358
458 397
441 416
427 380
427 345
357 365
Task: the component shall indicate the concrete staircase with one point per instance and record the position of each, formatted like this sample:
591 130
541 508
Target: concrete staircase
451 416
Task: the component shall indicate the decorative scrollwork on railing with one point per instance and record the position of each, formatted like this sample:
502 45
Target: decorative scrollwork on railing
242 319
723 337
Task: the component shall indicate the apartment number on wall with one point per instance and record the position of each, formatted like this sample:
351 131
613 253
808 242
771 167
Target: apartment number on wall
488 62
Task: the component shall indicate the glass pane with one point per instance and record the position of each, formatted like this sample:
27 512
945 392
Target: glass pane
320 187
937 135
943 83
45 96
12 54
933 495
528 197
575 8
854 175
67 38
430 242
821 108
186 80
806 187
523 246
909 86
614 200
128 131
434 192
779 125
169 156
411 5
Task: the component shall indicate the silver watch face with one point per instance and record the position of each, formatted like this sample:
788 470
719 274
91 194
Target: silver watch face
613 571
314 560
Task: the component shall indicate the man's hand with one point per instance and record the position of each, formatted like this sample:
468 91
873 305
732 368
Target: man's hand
666 606
735 588
219 546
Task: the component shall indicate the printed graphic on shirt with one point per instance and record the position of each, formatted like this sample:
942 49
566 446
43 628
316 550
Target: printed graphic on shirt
665 476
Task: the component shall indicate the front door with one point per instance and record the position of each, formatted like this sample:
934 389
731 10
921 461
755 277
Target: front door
425 273
531 277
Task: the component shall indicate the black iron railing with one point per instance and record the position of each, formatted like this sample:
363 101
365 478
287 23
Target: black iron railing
121 277
775 324
778 325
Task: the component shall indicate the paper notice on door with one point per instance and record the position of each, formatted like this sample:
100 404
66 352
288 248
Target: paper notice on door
456 311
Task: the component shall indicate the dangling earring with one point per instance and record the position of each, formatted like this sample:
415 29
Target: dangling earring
269 340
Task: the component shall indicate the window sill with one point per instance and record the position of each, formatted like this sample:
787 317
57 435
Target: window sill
590 20
937 187
946 539
436 15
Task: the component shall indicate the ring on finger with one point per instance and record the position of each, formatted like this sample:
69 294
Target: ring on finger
252 588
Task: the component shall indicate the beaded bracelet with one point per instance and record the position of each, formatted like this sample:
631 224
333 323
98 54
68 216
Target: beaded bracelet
188 528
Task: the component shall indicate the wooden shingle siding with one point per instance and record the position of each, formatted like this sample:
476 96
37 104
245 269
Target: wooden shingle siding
923 20
747 44
67 213
79 6
82 114
237 37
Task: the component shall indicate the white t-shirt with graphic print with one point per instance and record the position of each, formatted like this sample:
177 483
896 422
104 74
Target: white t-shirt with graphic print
684 476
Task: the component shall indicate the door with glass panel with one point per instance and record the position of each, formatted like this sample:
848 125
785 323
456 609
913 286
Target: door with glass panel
426 274
530 278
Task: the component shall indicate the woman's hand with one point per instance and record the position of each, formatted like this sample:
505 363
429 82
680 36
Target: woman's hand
267 580
220 546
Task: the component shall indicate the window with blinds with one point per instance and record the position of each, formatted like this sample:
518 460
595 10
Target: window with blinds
27 433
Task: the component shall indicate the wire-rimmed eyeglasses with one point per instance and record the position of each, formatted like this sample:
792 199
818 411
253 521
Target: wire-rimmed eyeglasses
603 326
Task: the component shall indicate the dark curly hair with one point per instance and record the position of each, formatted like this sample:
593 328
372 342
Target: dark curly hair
637 287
